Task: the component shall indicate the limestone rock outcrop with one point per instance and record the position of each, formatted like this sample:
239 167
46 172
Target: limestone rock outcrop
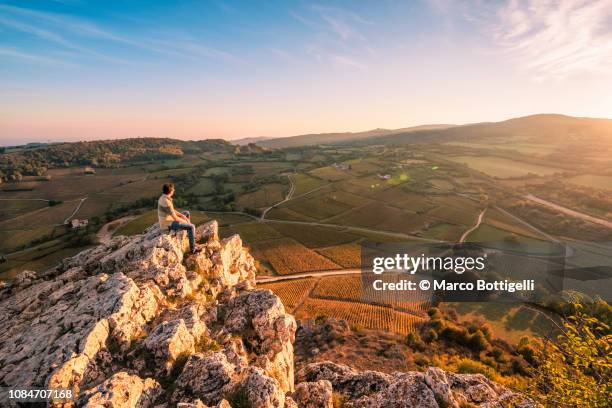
434 388
314 394
140 322
122 390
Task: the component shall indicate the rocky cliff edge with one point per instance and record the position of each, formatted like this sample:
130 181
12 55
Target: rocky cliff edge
141 323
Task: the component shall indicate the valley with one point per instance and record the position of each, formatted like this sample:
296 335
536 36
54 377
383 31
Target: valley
305 211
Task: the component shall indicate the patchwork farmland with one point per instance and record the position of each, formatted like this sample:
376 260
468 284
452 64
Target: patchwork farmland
307 210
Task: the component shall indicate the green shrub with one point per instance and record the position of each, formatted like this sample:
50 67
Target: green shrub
469 366
576 369
414 341
477 341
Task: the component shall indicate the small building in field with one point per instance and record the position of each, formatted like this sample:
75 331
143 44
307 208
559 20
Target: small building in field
89 170
76 223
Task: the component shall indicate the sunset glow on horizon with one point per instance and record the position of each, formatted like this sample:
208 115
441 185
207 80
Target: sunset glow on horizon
82 70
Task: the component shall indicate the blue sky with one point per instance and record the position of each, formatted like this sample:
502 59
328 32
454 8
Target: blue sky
77 70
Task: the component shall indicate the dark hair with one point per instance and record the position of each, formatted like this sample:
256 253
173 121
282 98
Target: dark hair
167 188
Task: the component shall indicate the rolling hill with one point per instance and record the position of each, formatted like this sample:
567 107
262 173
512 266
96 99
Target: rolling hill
338 138
542 128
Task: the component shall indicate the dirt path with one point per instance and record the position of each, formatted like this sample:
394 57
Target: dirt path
569 211
105 234
76 210
287 198
478 222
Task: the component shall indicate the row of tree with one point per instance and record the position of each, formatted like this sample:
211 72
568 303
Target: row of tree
104 153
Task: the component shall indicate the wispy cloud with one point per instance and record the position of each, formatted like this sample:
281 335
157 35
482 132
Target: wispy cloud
306 21
549 39
342 22
12 52
338 38
55 38
58 28
557 38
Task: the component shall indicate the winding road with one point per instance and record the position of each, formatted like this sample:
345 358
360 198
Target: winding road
478 222
568 211
76 210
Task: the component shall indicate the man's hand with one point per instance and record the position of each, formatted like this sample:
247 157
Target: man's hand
184 217
179 217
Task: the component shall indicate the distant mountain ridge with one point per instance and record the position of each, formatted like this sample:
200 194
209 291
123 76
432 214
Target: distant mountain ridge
335 138
543 128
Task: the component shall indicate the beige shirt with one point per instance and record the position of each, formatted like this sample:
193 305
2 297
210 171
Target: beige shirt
165 209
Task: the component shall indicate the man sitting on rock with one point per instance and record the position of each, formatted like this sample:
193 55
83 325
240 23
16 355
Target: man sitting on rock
172 220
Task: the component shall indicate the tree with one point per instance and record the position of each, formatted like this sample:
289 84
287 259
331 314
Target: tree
576 370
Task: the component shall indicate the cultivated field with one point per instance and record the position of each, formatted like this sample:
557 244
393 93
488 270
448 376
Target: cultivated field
347 256
503 168
264 197
304 183
593 180
292 292
287 256
313 236
360 315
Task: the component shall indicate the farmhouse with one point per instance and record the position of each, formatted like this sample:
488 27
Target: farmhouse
76 223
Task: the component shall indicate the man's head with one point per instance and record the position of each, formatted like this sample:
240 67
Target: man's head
168 189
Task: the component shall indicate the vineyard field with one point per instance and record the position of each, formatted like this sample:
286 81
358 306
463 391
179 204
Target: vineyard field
359 314
349 288
347 256
291 292
288 256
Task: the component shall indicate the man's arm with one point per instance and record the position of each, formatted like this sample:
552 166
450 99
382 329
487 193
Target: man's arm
177 216
181 217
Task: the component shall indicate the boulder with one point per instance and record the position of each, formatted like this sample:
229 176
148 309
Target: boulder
261 312
260 390
205 377
314 394
122 390
208 231
168 342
